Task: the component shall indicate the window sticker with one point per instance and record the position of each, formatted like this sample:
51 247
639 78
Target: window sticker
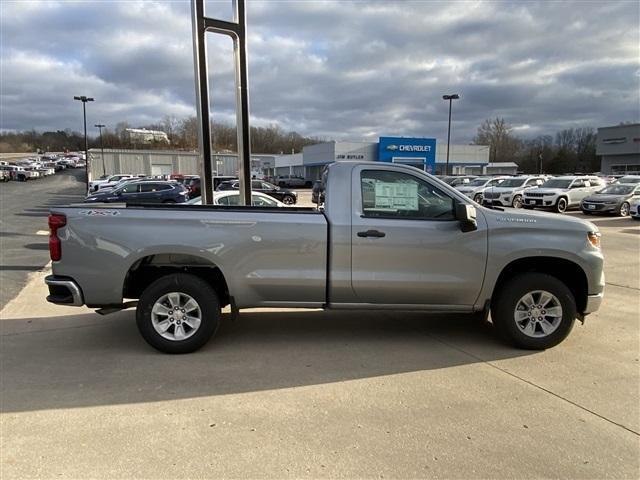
396 196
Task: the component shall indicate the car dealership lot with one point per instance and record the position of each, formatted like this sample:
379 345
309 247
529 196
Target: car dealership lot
315 394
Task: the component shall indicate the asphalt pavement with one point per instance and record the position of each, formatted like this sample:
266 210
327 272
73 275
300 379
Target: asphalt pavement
24 207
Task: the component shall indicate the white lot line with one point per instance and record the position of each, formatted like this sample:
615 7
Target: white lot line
42 232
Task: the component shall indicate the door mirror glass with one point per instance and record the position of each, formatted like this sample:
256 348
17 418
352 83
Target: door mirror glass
466 215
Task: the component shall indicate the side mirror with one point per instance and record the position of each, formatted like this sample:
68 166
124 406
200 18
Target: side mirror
466 215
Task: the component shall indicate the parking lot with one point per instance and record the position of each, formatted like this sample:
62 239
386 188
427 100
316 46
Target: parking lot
290 394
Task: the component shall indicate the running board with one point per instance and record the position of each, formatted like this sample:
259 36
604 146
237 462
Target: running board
117 308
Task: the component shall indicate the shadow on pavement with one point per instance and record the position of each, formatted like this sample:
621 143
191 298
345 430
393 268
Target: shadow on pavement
86 360
21 268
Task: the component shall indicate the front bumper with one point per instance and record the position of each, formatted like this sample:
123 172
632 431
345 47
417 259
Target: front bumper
63 291
544 202
593 303
598 207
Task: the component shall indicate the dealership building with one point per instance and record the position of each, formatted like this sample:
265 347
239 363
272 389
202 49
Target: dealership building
619 149
423 153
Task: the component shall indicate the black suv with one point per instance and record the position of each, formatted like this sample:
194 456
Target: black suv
143 192
286 196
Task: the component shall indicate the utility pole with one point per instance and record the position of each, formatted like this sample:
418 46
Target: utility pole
451 97
100 126
84 101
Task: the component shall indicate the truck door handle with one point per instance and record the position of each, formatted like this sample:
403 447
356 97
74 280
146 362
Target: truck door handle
372 233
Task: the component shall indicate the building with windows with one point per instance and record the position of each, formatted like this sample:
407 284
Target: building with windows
423 153
619 149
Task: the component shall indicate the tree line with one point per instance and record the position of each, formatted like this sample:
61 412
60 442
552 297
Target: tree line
182 135
569 150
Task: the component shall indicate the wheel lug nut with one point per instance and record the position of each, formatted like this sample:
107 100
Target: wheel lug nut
171 319
539 319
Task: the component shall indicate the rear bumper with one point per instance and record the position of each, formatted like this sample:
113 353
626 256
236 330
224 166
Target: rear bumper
64 291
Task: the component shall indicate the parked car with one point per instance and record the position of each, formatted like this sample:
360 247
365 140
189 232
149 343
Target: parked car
194 184
509 193
476 187
562 193
629 179
286 196
390 237
143 192
231 198
292 181
4 176
615 198
455 180
634 208
19 173
110 180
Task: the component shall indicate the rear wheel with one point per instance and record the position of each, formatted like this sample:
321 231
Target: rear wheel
478 198
178 313
561 205
624 209
536 312
517 201
288 200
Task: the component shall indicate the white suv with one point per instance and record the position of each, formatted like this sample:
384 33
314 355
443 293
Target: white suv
107 182
476 187
561 193
509 193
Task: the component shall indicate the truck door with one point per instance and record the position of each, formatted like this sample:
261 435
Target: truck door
407 246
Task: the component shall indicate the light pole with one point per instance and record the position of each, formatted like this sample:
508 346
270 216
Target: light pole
100 126
451 98
84 101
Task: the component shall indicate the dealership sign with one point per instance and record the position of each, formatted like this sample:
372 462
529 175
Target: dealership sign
420 152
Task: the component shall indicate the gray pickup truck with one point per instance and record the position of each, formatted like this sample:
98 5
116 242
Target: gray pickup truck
389 238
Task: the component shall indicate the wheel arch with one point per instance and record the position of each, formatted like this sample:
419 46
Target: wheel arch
568 272
145 270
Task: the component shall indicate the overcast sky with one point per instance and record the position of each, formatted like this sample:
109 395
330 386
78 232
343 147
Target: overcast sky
329 69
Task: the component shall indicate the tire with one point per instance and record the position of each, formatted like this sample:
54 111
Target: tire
157 295
511 302
624 210
288 200
561 205
517 202
478 198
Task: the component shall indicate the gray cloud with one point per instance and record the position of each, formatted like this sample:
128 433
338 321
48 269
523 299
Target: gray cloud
349 70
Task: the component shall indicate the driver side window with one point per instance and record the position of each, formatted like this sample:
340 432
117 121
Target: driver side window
400 195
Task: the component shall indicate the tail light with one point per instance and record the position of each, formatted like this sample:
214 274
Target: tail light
56 222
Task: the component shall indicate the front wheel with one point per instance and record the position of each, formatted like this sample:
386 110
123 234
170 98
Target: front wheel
624 209
517 201
536 311
178 313
478 198
561 205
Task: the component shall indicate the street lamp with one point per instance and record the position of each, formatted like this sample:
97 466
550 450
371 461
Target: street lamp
84 101
100 126
451 98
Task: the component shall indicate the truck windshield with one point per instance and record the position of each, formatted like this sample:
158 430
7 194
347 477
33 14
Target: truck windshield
556 183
